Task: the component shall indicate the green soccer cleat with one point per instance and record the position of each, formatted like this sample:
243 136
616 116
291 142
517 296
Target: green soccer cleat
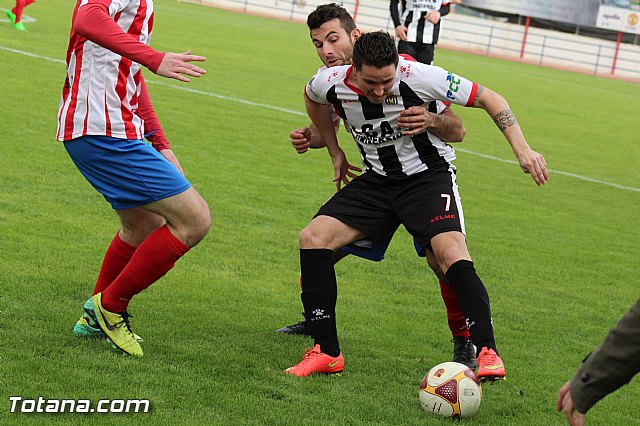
19 26
115 326
85 327
12 17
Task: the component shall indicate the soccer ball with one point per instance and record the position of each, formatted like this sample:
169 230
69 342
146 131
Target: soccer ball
450 389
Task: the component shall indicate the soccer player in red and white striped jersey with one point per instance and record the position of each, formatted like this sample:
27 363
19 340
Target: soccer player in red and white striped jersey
104 113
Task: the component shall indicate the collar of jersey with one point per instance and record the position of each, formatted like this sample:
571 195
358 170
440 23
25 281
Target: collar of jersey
351 86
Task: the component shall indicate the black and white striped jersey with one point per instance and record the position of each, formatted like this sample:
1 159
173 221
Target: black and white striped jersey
413 15
383 147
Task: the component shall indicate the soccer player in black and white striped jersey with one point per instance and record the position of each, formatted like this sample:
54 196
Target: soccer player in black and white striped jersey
333 32
418 26
408 180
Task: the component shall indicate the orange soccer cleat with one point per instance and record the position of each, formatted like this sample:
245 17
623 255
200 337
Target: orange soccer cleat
490 366
317 362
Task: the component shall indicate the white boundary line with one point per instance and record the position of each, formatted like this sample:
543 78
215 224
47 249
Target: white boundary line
298 113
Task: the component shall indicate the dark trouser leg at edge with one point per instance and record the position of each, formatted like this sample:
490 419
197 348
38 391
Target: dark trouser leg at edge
455 316
474 300
319 296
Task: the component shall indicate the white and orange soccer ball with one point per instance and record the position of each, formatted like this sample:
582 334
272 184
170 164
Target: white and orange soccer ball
450 389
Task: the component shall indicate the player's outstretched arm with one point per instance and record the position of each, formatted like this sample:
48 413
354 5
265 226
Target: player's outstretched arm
498 109
446 125
94 22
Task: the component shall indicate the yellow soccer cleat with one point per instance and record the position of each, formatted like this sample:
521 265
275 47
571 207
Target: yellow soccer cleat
115 326
86 327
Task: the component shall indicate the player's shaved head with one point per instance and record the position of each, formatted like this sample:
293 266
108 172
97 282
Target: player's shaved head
327 12
375 49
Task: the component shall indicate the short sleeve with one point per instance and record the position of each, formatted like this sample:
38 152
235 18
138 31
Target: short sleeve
437 83
314 92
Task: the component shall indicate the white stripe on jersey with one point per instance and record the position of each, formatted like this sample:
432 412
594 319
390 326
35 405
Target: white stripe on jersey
92 105
384 149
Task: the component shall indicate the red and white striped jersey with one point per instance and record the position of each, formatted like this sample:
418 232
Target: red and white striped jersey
103 84
384 148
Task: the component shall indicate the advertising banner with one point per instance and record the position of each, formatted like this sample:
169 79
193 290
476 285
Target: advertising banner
618 19
578 12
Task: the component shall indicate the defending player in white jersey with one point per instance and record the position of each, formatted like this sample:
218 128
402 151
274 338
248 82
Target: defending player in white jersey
333 33
406 180
105 111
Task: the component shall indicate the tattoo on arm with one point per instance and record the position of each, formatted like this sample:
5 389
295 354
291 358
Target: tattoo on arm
504 119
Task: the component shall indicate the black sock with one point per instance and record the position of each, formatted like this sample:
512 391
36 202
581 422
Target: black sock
474 301
319 294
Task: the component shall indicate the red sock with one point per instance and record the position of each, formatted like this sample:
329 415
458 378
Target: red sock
153 258
455 316
20 5
115 259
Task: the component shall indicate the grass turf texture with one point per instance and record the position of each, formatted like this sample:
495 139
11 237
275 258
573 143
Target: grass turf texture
560 262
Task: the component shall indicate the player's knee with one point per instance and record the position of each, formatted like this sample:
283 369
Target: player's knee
312 237
136 231
200 223
193 224
435 267
448 258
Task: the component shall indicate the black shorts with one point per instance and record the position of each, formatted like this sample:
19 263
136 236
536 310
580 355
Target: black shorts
427 204
421 52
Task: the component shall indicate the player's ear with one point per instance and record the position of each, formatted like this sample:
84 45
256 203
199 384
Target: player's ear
355 34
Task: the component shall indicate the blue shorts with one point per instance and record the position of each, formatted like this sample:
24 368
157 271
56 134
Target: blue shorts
366 250
128 173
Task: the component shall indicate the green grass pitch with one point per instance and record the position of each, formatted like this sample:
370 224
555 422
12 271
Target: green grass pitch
560 262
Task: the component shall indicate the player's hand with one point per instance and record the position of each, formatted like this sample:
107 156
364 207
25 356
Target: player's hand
342 169
415 119
533 163
433 17
301 139
169 155
565 404
173 65
401 32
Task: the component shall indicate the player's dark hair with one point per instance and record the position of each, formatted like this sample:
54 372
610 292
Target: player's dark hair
327 12
376 49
